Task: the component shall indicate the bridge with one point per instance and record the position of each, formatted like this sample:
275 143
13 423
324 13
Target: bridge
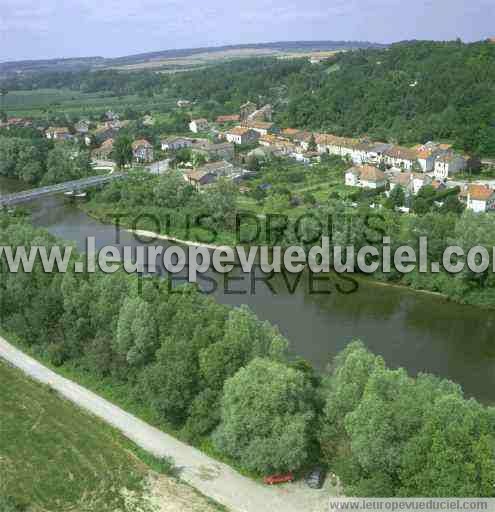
68 186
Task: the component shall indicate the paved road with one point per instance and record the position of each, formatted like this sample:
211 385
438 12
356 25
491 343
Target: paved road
213 479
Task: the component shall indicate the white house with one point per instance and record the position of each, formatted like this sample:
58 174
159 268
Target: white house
365 176
175 144
480 198
198 125
241 135
448 164
400 158
262 127
142 151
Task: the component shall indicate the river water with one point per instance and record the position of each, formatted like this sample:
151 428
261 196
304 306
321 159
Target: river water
420 332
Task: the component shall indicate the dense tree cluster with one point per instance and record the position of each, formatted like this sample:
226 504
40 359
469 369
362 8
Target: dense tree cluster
35 160
407 93
218 373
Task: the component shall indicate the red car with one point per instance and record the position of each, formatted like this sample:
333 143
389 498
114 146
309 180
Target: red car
278 479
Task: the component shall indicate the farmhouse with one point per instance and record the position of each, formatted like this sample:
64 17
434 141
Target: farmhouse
142 151
411 182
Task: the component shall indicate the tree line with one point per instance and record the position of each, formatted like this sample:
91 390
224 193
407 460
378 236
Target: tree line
221 376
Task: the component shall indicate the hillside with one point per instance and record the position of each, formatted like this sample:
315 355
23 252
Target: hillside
55 457
176 57
411 92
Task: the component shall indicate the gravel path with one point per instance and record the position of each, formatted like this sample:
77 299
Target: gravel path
214 479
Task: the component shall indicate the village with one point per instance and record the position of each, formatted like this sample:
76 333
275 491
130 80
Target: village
221 148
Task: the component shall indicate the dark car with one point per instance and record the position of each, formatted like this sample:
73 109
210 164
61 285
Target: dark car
316 478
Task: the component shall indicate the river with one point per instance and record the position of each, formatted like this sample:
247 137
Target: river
420 332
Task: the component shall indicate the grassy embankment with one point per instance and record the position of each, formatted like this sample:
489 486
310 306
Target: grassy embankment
55 457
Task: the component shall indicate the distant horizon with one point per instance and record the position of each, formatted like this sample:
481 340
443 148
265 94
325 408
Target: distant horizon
30 30
237 45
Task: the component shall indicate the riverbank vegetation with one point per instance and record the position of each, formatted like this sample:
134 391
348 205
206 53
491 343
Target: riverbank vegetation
298 206
25 154
225 381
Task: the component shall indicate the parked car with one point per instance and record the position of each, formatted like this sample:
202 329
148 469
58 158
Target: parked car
316 478
278 479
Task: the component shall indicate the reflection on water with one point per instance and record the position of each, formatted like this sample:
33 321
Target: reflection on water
420 332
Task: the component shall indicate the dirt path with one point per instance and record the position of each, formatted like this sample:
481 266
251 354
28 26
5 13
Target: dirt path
214 479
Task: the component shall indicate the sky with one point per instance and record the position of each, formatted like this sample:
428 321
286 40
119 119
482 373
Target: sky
37 29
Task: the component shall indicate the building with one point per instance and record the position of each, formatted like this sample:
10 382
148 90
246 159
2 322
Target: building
58 133
247 109
480 198
400 158
175 144
220 151
198 125
448 164
234 118
220 168
241 135
365 176
82 126
104 133
411 182
262 127
142 151
104 151
200 179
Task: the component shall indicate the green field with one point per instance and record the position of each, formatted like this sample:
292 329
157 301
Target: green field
40 102
55 457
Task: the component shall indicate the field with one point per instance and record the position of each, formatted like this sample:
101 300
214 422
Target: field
41 102
54 457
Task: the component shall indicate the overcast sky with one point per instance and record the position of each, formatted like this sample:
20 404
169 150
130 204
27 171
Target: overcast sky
35 29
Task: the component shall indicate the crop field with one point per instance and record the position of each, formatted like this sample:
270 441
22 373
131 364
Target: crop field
65 101
56 458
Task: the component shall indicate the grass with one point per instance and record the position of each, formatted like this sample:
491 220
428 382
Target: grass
54 456
41 102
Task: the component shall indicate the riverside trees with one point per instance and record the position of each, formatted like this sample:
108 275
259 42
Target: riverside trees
219 375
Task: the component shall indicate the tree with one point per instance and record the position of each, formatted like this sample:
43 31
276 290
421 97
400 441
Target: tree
312 146
266 417
122 151
396 198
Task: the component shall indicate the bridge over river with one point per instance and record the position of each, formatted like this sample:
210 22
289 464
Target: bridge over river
68 186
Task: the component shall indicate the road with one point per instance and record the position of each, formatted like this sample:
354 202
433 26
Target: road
214 479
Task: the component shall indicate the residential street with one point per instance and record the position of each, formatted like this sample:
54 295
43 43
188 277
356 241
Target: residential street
215 480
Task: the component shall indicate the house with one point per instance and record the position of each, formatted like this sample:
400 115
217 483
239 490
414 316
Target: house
307 157
448 164
220 168
247 109
262 127
82 126
58 133
198 125
200 179
103 133
411 182
365 176
241 135
175 144
480 198
235 118
142 151
104 151
400 157
220 151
